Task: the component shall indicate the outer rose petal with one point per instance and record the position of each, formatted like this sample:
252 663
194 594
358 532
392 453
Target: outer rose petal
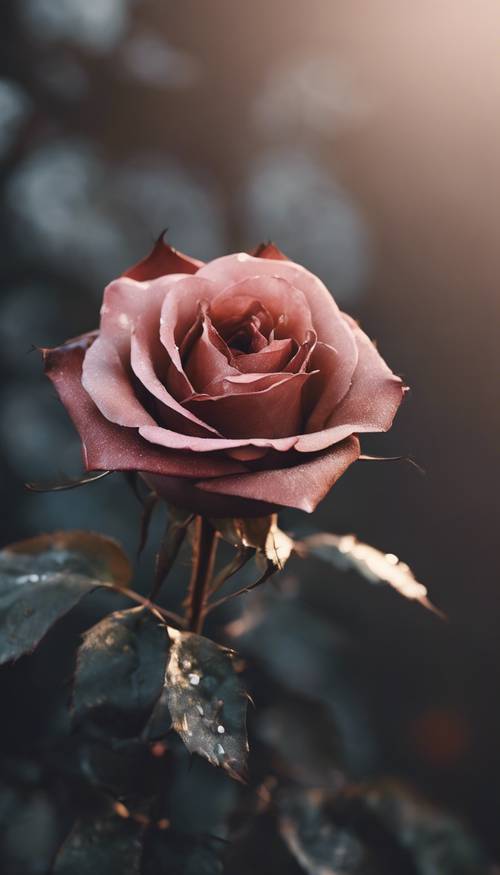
109 386
370 405
162 260
110 447
302 486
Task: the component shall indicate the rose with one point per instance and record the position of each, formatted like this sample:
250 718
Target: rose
234 387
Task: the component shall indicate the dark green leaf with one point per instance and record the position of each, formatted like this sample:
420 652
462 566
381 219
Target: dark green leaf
110 846
42 578
207 702
120 671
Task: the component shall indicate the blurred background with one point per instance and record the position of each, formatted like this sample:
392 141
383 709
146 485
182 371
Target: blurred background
364 139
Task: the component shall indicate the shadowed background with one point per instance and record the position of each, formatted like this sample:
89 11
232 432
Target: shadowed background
364 138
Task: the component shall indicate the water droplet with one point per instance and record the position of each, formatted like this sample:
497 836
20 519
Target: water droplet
219 750
28 578
186 664
194 679
200 710
220 729
242 256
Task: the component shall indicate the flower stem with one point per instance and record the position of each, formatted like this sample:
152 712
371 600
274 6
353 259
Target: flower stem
204 550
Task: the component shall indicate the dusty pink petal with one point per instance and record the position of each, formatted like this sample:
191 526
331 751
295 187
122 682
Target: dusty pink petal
370 405
242 311
209 358
325 313
240 384
109 386
302 357
109 447
273 357
271 413
124 301
328 387
302 486
163 259
286 303
179 313
145 353
167 438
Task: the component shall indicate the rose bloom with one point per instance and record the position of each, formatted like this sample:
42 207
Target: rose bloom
234 387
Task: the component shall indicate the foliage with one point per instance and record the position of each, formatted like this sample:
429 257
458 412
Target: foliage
147 695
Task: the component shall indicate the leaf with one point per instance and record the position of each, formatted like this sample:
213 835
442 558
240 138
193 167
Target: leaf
346 552
318 842
261 534
120 671
206 701
108 845
437 841
42 578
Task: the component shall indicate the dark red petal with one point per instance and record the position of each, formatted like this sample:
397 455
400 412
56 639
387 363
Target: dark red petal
269 250
163 259
111 447
302 486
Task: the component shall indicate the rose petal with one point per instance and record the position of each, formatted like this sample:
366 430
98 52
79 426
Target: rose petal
163 259
146 351
370 404
271 413
109 386
243 313
179 312
286 303
325 313
167 438
302 357
209 358
273 357
111 447
329 386
302 486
